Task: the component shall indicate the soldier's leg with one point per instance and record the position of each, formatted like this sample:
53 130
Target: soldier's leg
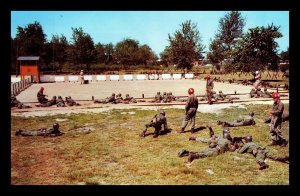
185 121
157 131
260 159
193 119
143 134
283 159
268 120
27 133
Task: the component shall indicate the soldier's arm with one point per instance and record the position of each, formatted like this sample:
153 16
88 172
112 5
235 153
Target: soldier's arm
165 125
278 110
243 149
187 105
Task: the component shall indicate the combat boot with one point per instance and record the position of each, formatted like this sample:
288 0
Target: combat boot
183 153
181 131
284 143
143 134
193 156
155 135
192 138
283 159
274 143
263 166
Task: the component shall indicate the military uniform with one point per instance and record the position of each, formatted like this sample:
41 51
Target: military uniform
276 120
191 107
60 102
257 82
110 99
71 102
129 99
41 97
53 131
266 94
119 98
157 122
260 154
215 148
248 120
253 93
285 117
16 103
209 89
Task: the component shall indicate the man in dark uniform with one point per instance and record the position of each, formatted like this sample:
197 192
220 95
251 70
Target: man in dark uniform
215 148
266 94
41 97
209 88
157 121
253 93
246 121
191 107
260 153
119 98
60 102
276 120
129 99
16 103
71 102
52 132
111 99
49 103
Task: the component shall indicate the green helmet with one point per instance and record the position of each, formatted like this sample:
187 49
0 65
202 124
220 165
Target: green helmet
248 138
55 126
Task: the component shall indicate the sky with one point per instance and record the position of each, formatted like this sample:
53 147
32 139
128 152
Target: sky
147 27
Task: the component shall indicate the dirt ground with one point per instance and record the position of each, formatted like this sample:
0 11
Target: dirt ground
102 89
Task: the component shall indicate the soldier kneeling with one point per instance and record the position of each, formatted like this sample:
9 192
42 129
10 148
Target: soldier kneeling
157 121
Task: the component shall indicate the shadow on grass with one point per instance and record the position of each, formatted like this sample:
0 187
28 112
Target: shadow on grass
195 130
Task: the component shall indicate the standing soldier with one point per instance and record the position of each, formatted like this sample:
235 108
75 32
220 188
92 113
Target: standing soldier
209 88
257 82
260 153
81 77
276 120
41 97
157 121
191 107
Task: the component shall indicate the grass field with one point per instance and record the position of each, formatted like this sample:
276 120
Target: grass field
113 153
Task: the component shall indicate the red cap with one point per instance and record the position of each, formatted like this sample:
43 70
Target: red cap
275 95
191 91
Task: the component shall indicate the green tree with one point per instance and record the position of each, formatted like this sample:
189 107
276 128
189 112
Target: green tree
165 56
59 45
109 53
30 40
185 45
84 49
126 51
145 55
258 50
229 32
100 53
285 55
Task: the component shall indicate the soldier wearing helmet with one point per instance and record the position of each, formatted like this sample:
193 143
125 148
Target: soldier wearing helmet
41 97
276 120
52 132
129 99
60 102
217 145
157 121
209 88
71 102
260 153
191 107
245 121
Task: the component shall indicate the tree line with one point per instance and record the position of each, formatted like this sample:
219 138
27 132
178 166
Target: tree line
230 48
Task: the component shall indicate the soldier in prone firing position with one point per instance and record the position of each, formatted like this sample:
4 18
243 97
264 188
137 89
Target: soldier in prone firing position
52 132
